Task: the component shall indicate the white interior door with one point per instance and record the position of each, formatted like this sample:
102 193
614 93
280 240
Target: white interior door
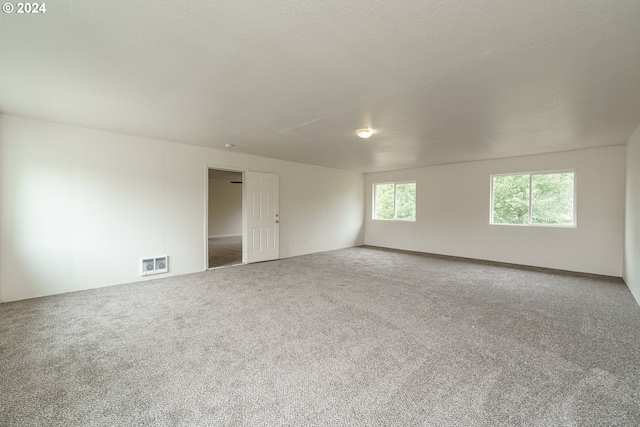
263 219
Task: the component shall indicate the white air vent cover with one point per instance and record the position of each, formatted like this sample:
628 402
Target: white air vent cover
154 265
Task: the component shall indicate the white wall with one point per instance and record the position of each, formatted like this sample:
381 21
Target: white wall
225 208
453 213
632 217
79 207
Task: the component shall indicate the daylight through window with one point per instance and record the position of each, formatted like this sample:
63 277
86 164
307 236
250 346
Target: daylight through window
394 201
533 199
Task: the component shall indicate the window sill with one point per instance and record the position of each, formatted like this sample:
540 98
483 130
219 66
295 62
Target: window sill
393 220
538 225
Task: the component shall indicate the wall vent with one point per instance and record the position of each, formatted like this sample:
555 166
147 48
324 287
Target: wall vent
154 265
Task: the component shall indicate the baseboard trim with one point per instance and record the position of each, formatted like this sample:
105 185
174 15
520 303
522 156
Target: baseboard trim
224 235
500 263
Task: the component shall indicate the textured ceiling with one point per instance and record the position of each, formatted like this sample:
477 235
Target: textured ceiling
440 81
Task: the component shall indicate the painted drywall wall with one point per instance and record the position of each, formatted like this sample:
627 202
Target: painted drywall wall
632 216
79 207
453 213
225 208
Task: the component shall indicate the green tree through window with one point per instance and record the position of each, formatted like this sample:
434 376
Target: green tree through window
384 201
552 198
395 201
511 199
533 199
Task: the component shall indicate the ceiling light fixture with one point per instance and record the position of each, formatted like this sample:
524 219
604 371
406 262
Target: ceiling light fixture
229 145
364 133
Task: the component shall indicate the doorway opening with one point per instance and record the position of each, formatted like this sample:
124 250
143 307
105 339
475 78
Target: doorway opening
224 222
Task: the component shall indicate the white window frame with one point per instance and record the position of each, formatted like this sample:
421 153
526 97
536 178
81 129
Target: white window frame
395 183
531 174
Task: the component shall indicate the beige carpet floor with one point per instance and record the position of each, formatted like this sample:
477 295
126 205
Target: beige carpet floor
225 251
355 337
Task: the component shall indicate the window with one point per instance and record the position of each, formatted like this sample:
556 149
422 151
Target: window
533 199
394 201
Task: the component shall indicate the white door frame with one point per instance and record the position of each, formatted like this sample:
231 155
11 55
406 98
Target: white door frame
244 171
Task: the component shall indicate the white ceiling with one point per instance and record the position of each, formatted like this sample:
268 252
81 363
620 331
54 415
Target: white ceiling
440 81
225 175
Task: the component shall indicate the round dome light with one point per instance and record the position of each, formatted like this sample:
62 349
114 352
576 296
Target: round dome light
364 133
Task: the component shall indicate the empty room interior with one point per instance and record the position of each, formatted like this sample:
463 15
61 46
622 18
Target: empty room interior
320 213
